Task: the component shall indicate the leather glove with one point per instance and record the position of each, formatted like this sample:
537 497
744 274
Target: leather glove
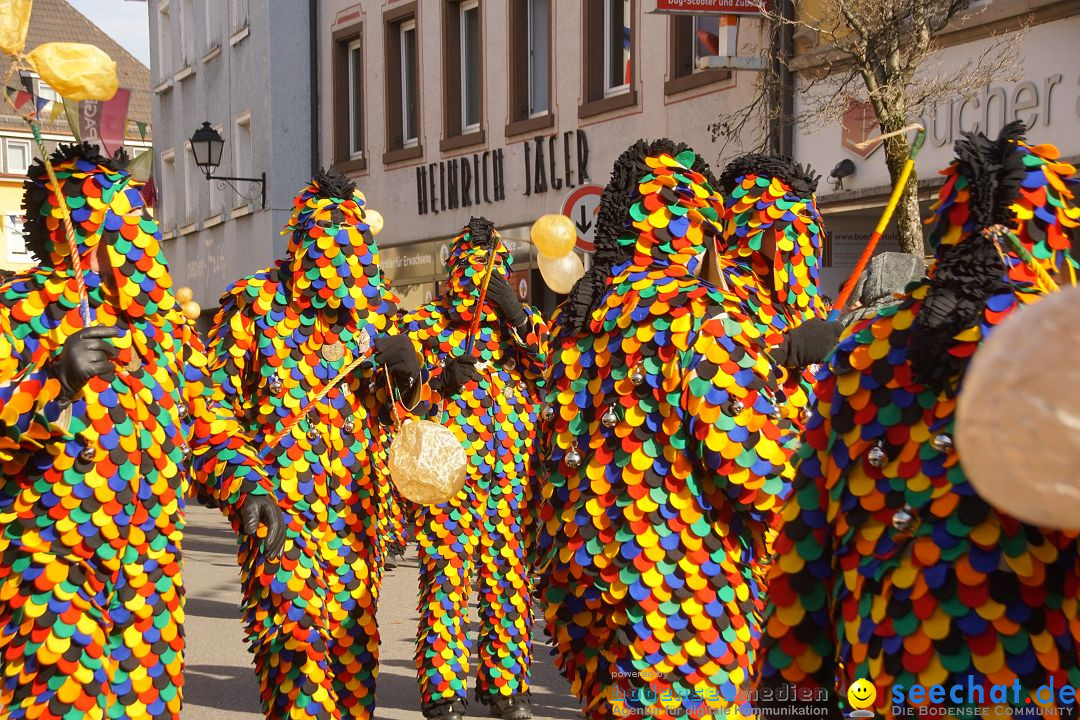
502 295
807 344
263 509
397 354
457 372
85 354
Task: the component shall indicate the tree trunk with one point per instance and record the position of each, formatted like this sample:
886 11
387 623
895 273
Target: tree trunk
906 216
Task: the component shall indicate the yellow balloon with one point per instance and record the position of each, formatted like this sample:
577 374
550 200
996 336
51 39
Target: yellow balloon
75 70
192 309
553 235
184 295
14 20
374 219
560 274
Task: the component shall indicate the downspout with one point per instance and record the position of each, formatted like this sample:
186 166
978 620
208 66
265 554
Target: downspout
313 62
782 89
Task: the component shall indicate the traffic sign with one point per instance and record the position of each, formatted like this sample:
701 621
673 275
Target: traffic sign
581 205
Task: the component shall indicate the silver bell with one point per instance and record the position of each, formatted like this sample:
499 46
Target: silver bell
904 519
548 412
804 415
510 365
313 433
813 368
275 386
182 411
609 418
186 449
636 375
573 458
508 392
349 425
737 406
877 456
86 454
943 443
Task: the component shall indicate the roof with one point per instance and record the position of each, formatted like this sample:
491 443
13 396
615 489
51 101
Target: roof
57 21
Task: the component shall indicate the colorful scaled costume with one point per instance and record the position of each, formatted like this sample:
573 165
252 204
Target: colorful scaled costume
669 454
491 406
94 426
889 567
281 336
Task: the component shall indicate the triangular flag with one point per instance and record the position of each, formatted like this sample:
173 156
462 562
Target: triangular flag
55 111
142 129
141 167
9 91
71 112
40 103
21 97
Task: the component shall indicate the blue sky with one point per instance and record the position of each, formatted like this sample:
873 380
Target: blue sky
125 20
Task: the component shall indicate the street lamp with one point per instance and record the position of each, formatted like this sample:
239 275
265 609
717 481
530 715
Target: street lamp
207 146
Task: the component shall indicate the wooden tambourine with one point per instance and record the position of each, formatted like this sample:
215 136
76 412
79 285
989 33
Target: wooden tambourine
1018 415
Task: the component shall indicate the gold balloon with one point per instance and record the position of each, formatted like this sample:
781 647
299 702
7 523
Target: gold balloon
374 219
184 295
14 20
554 235
1018 413
427 462
560 274
75 70
192 309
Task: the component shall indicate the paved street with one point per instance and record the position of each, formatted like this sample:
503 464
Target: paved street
220 681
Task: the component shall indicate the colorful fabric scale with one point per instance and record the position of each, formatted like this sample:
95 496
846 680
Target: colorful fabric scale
667 462
280 337
889 567
92 499
481 534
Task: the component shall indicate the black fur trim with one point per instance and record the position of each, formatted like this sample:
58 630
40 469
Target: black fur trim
801 179
332 185
481 232
614 219
994 170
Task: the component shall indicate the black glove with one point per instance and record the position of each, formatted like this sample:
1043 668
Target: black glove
85 354
397 354
262 509
809 343
500 293
456 372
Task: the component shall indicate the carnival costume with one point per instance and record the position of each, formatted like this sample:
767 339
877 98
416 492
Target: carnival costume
95 416
888 566
668 454
486 389
281 337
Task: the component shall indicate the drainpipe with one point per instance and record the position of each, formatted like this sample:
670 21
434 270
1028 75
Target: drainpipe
782 93
313 62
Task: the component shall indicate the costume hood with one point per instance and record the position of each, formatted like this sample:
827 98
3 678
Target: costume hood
466 264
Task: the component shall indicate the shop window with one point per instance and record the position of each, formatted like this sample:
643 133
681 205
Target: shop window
609 74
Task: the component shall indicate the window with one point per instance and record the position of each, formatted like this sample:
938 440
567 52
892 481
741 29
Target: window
402 84
216 193
242 150
348 85
692 38
616 47
462 74
16 156
191 201
609 73
210 10
238 10
530 66
187 32
168 189
15 242
47 93
164 43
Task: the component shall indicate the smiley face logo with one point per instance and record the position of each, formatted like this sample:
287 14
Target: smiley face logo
861 694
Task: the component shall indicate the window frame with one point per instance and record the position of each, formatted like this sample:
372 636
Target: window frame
683 74
396 149
408 141
596 97
25 145
13 226
455 134
164 43
167 196
237 20
347 158
187 33
242 120
213 39
610 89
519 77
464 7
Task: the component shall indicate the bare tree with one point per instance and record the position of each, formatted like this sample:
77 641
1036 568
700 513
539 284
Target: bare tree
880 51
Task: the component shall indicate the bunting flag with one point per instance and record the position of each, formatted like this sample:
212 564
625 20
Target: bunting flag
142 130
41 104
55 111
71 112
21 97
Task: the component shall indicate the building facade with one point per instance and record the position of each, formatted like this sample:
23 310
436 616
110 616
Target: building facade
1044 92
244 67
444 109
56 21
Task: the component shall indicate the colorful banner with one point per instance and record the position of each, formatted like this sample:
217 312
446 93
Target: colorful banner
103 122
